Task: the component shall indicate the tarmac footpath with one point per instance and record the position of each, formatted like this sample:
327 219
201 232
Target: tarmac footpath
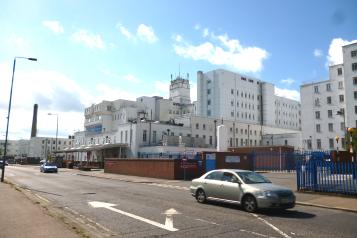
21 217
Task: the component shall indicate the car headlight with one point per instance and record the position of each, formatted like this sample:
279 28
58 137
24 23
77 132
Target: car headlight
269 194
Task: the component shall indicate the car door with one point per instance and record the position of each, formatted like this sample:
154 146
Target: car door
230 188
211 184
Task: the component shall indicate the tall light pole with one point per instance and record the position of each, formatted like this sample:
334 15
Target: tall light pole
8 114
54 114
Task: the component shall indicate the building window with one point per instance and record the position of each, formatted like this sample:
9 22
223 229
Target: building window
318 128
330 127
340 85
317 115
339 71
318 143
342 98
209 102
197 126
232 114
355 109
232 91
210 140
353 53
354 67
355 94
208 112
121 137
328 87
354 80
328 100
316 89
329 113
197 136
342 126
144 135
317 102
208 91
204 126
331 143
126 136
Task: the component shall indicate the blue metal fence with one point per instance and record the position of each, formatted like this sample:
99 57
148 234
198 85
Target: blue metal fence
326 176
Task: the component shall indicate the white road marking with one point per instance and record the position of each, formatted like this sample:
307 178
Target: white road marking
272 226
109 206
209 222
256 233
169 186
10 175
42 198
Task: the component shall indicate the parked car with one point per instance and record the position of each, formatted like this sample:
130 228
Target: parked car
48 167
1 163
250 189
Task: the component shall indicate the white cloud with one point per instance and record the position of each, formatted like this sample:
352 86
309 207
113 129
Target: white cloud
317 53
125 32
18 41
287 81
287 93
128 77
54 26
228 52
131 78
88 39
146 33
162 89
112 93
53 92
205 32
177 38
335 51
197 27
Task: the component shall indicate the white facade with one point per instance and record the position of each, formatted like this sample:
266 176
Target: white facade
329 107
236 97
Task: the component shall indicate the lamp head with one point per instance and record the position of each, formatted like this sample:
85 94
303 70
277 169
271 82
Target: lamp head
32 59
350 130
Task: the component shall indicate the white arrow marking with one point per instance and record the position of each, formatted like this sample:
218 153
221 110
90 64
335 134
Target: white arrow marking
109 206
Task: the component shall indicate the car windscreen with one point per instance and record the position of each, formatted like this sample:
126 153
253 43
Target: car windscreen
252 177
50 164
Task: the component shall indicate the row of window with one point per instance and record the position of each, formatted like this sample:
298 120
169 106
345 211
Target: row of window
277 103
341 98
331 143
54 142
328 87
330 127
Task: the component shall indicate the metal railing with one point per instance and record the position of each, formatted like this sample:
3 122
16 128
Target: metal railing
327 176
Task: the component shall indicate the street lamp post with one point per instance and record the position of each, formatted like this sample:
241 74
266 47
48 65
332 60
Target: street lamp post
8 114
337 139
342 113
350 130
54 114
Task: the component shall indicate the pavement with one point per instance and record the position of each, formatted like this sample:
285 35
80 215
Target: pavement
23 217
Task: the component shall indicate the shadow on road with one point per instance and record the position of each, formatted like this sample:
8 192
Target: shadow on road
268 212
287 214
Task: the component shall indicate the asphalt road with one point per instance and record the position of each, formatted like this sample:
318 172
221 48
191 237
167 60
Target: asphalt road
137 209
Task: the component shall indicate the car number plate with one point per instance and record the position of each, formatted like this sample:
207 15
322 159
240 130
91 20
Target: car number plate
285 200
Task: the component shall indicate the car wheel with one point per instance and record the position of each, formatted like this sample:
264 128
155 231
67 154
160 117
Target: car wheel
249 203
201 196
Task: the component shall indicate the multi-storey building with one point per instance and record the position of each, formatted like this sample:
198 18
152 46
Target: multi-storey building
239 98
330 106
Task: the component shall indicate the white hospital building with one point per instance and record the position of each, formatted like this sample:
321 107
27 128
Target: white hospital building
329 107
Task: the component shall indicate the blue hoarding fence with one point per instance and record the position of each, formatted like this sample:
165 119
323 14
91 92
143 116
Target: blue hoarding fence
321 175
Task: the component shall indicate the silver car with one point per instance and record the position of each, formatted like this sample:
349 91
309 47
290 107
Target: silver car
244 187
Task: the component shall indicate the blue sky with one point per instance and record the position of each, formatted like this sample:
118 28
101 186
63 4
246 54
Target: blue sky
89 51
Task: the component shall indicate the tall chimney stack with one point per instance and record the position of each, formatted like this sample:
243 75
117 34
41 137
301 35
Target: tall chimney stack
34 121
